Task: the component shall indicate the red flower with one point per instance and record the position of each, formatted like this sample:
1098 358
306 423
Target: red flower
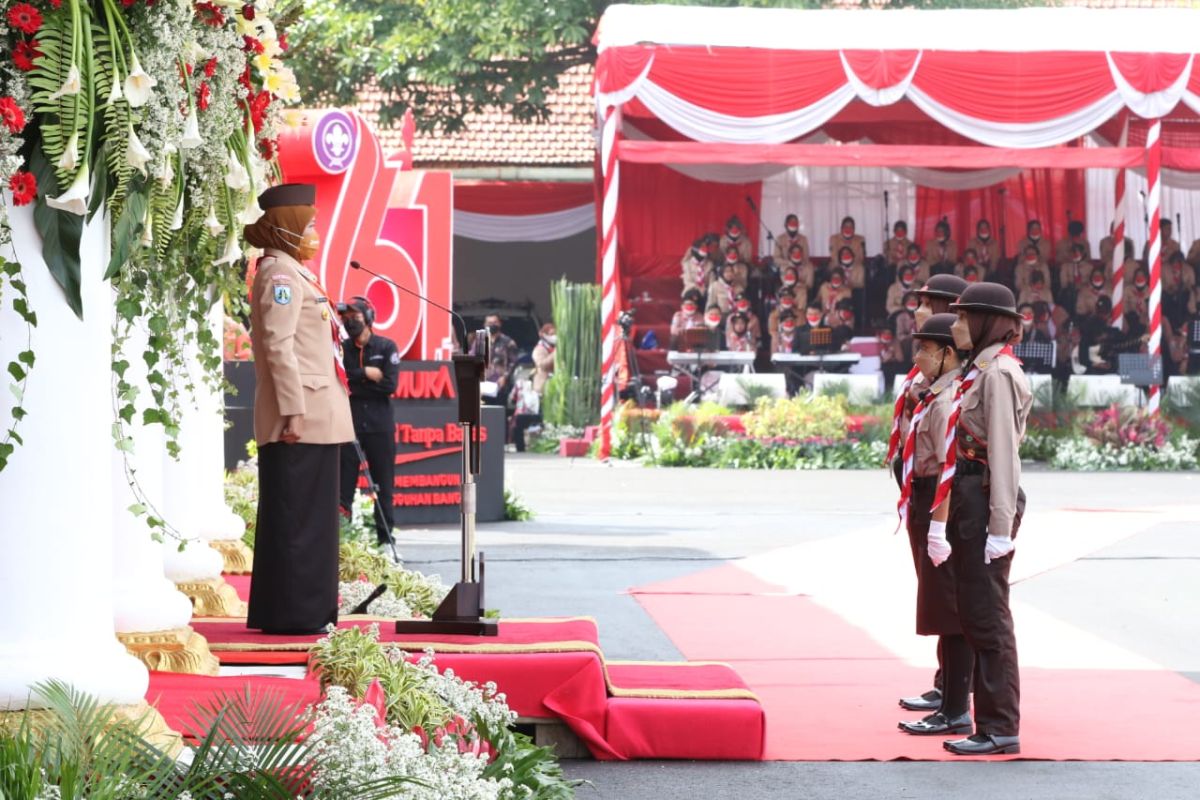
252 45
24 54
210 67
210 14
283 45
267 149
56 3
24 187
11 115
258 109
203 94
248 11
128 3
25 18
244 78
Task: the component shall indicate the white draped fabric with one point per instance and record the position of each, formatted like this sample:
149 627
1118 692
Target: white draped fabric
1180 205
546 227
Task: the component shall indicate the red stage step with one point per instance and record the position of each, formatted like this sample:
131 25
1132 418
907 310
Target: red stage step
177 696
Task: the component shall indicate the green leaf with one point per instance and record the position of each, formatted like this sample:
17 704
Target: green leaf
26 357
126 233
16 370
137 509
61 233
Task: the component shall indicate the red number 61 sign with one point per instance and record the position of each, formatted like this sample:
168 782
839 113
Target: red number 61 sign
378 211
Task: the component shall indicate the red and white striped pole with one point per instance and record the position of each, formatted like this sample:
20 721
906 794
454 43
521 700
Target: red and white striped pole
1118 253
611 171
1154 259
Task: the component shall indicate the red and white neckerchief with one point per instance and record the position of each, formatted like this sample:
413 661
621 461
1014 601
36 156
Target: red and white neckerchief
909 456
950 465
335 329
898 412
700 270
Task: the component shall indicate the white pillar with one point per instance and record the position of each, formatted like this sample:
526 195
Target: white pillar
56 587
151 615
194 497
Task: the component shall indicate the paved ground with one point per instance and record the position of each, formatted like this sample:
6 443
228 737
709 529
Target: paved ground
601 530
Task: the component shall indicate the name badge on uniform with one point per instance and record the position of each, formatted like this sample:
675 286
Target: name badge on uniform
283 294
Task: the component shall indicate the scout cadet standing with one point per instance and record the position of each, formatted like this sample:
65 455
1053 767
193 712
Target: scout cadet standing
935 298
301 418
923 457
1033 238
791 236
696 267
982 477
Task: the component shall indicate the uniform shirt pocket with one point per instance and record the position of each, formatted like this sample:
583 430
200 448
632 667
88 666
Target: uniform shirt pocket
314 381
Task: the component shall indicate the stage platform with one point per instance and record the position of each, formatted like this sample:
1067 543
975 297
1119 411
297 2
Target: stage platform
554 669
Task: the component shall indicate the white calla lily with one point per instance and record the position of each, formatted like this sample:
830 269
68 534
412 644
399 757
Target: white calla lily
138 85
72 85
236 177
191 132
148 227
74 199
115 93
177 219
251 213
69 160
233 251
136 154
166 171
212 224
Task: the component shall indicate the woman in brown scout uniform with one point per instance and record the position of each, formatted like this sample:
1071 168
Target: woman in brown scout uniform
924 453
982 478
935 298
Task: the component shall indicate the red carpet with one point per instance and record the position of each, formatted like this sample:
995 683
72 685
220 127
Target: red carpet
829 690
554 668
177 696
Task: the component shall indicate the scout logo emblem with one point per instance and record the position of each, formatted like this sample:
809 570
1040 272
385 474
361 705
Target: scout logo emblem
283 295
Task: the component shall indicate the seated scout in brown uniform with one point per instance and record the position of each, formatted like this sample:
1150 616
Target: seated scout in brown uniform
1033 238
688 317
723 290
741 270
897 246
855 271
1106 251
1096 287
905 282
735 236
941 252
1168 246
301 419
1075 236
782 335
833 291
801 268
987 249
920 267
846 237
696 267
970 260
924 456
1073 272
1137 297
741 305
738 336
785 300
1037 291
1029 262
986 504
791 235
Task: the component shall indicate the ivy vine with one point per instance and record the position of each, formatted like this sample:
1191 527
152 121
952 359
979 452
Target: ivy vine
20 366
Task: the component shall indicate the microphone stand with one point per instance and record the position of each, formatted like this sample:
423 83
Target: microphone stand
462 611
1003 224
770 235
887 224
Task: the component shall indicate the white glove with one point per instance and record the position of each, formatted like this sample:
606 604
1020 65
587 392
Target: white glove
997 547
936 544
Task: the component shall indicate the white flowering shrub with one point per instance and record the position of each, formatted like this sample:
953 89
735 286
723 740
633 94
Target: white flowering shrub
352 747
352 593
1084 455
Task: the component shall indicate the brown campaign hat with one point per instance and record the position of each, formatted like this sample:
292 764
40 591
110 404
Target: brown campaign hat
937 329
288 194
988 298
945 285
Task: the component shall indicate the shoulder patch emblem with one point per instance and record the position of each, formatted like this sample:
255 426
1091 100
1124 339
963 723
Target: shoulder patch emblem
283 294
396 357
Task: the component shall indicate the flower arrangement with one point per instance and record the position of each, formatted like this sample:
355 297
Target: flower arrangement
421 594
1119 427
426 711
161 116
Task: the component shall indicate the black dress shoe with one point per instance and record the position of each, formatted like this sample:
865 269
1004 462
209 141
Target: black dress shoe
938 725
930 701
984 745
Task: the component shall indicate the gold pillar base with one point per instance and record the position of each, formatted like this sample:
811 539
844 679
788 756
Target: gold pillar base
151 725
176 650
213 598
239 559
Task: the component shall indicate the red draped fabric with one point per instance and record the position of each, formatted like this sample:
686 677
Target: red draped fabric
519 198
1043 194
662 212
881 69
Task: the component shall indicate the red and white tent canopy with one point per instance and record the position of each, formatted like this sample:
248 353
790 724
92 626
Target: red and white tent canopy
957 89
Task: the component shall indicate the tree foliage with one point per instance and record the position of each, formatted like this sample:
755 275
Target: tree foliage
448 58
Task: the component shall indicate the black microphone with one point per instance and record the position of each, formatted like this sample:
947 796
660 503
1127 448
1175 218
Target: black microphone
750 202
462 323
361 608
885 197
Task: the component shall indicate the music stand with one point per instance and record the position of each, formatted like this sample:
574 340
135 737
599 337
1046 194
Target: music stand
1037 356
1140 369
700 340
